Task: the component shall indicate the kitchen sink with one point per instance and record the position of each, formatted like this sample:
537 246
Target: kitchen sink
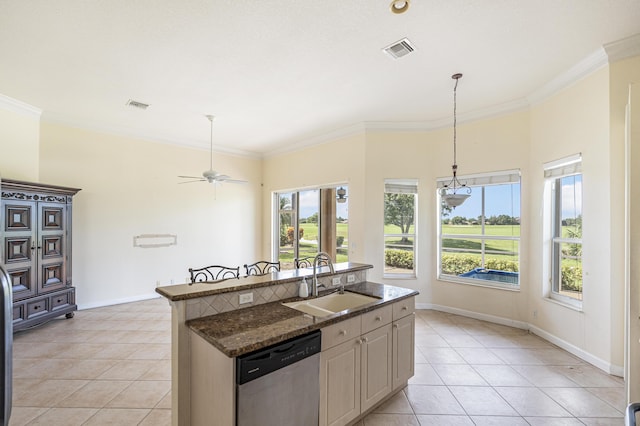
331 303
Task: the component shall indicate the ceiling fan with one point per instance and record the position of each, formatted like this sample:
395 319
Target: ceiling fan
211 175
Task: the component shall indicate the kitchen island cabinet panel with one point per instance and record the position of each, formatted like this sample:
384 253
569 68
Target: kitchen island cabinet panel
376 366
340 383
403 350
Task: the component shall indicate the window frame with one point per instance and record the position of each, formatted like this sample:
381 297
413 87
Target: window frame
401 186
480 181
554 173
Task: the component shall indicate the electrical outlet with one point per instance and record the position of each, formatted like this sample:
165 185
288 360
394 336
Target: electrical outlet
535 314
335 281
158 283
245 298
351 278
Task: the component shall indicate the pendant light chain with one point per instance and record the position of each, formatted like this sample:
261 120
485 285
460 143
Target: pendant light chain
455 88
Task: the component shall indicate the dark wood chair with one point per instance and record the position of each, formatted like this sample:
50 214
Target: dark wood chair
213 273
262 267
307 262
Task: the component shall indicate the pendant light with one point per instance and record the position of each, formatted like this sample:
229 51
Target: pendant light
449 192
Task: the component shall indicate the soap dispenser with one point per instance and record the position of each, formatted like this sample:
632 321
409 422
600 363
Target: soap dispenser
303 290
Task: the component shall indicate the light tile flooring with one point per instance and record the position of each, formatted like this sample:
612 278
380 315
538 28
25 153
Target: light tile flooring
112 366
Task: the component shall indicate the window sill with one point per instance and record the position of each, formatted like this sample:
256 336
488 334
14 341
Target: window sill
475 283
399 276
574 307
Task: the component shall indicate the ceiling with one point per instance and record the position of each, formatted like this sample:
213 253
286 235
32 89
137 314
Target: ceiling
280 73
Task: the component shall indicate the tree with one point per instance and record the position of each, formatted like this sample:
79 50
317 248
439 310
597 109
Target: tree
399 211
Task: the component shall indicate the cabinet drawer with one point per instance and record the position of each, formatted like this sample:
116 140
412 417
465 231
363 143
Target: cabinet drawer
18 312
59 300
341 332
376 319
37 308
404 308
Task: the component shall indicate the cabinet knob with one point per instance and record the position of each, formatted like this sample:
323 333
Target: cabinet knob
378 318
365 340
343 332
396 326
404 308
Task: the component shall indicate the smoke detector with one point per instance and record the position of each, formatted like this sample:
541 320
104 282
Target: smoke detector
399 49
136 104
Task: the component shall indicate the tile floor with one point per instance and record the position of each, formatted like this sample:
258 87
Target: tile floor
111 365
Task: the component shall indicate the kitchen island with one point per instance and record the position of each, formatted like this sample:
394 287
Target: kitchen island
210 328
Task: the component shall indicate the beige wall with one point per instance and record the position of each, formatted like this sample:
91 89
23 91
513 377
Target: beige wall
335 162
130 187
19 144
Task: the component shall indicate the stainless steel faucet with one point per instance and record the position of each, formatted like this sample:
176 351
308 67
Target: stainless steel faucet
314 283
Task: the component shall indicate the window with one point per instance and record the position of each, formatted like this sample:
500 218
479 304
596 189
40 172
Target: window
480 240
320 216
399 227
565 181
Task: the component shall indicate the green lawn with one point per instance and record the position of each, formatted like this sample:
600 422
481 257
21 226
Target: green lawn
499 249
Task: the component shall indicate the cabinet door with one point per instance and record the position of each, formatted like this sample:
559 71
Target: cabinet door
19 243
51 247
376 365
403 350
340 383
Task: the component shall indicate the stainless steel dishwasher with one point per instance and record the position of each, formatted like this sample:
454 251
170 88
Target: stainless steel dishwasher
279 385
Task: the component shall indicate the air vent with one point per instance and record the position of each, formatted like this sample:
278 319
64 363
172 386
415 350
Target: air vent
399 48
136 104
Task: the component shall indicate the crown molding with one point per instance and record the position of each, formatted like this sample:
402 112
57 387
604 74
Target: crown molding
19 107
343 132
588 65
623 49
467 117
93 126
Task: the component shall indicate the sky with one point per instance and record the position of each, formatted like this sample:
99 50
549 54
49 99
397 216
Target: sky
310 204
500 199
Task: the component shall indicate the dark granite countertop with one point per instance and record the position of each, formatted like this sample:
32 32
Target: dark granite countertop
209 288
246 330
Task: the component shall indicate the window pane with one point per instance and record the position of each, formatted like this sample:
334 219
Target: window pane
460 255
399 211
570 270
398 255
502 210
488 217
567 255
309 212
464 219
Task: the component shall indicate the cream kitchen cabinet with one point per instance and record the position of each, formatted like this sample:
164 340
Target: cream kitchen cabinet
403 341
357 364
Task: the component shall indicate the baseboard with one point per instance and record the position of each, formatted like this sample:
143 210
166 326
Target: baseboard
483 317
111 302
605 366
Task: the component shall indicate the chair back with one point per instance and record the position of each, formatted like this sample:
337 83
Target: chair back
262 267
213 273
307 262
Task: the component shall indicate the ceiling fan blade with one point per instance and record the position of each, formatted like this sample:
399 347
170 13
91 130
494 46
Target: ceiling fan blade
191 177
191 181
229 180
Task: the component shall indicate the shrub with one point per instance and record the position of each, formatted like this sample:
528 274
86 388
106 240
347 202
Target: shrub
399 258
571 278
459 264
290 232
339 241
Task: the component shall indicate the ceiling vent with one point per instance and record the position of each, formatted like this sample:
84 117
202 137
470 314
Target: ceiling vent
136 104
399 48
